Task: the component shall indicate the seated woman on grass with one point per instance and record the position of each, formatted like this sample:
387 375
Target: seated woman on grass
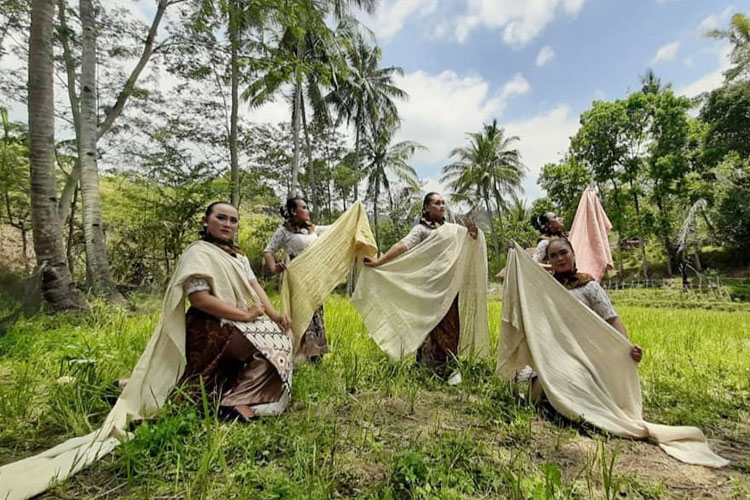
236 342
562 261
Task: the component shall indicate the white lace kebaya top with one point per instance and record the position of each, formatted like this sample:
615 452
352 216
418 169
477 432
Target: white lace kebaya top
595 298
293 243
417 235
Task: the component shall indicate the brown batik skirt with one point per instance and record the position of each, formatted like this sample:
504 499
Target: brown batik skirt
314 343
441 345
233 371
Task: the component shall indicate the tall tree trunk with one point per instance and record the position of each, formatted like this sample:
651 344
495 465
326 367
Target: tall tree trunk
296 115
357 140
24 247
375 213
57 284
618 220
353 272
71 227
640 229
492 226
308 150
234 42
71 182
499 203
96 250
668 248
296 188
329 179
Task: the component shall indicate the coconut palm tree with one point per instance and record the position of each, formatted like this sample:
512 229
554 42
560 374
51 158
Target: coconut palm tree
307 55
651 84
382 158
738 35
488 170
57 283
306 60
97 264
366 92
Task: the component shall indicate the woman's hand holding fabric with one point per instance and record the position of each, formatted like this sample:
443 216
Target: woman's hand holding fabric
472 227
283 320
370 262
255 312
636 353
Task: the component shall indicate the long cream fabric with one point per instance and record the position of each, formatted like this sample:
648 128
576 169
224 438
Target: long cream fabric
401 301
313 274
583 363
588 235
156 373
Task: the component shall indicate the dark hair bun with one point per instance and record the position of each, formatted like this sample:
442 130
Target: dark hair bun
539 222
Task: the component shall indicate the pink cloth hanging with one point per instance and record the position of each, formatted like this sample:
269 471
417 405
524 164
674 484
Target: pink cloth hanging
588 235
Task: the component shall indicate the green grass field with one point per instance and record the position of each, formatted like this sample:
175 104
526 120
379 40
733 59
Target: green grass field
361 426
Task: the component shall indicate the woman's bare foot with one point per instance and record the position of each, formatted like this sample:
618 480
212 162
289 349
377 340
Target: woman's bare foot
245 411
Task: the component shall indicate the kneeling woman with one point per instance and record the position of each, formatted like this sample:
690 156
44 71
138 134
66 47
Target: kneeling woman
584 287
562 260
236 342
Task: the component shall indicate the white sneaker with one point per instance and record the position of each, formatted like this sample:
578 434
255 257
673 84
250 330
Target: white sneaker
455 378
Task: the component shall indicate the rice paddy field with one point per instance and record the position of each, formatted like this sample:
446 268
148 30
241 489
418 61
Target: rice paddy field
361 426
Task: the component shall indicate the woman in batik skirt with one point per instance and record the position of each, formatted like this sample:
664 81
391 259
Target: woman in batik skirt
441 345
293 237
241 356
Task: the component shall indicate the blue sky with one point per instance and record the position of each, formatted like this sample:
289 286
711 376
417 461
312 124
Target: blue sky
535 65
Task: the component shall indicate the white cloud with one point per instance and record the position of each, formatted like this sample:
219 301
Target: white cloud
709 81
544 139
518 85
545 55
666 52
443 108
666 1
390 17
521 21
716 20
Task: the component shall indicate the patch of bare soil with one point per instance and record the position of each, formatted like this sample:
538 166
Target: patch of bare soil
574 447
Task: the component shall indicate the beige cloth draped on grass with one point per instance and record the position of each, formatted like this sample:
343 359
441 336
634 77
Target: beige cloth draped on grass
583 363
314 273
159 368
588 235
403 300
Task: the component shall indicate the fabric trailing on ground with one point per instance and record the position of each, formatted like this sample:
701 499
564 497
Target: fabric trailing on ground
583 363
159 368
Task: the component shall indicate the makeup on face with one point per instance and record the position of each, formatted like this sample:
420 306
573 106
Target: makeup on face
222 222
